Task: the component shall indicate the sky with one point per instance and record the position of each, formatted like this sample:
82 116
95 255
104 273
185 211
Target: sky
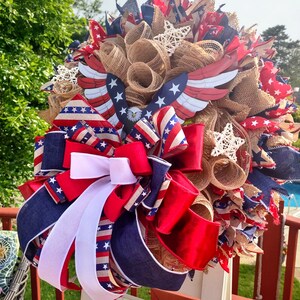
264 13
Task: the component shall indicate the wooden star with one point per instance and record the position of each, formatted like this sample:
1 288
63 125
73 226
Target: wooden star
172 37
226 143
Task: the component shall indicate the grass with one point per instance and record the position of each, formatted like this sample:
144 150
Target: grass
246 283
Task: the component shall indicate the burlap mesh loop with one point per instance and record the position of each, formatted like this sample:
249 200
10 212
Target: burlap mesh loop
213 48
135 99
113 59
191 57
143 80
203 207
150 53
226 174
140 31
202 178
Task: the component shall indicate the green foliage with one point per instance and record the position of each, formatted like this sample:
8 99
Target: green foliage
34 34
288 52
88 9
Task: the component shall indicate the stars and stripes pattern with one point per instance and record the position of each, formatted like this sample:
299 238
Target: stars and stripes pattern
104 232
38 158
160 197
79 110
83 133
280 109
102 90
138 195
55 191
144 132
167 126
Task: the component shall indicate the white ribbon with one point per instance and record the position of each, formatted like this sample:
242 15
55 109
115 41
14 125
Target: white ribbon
85 165
80 221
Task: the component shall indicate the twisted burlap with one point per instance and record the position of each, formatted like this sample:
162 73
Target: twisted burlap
113 59
63 92
245 91
140 31
150 53
158 21
135 99
203 207
202 178
191 57
143 80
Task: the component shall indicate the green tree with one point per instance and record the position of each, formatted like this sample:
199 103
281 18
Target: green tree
89 9
34 34
288 52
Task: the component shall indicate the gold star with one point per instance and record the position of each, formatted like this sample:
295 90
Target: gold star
172 37
226 143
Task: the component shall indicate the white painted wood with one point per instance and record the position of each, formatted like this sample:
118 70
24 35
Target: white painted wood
192 287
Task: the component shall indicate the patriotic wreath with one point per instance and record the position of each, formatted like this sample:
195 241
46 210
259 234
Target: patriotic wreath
171 134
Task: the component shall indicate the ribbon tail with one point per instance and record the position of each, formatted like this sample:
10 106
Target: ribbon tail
58 243
85 254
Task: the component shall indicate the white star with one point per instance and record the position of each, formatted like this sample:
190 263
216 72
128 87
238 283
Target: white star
105 267
66 128
74 109
148 114
52 180
66 136
119 97
172 122
83 109
163 140
254 123
58 190
227 143
144 194
113 83
109 286
172 37
74 128
98 36
96 27
110 130
270 81
277 92
266 122
106 245
123 111
40 143
136 204
103 144
167 131
174 88
66 109
138 137
160 102
148 146
110 226
101 129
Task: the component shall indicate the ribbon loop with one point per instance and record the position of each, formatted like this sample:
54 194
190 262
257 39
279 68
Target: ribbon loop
84 166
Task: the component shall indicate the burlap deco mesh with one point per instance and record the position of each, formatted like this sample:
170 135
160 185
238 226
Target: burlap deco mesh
202 178
214 48
274 141
203 207
118 41
191 57
238 111
158 21
113 59
135 99
143 80
226 174
247 93
162 255
233 20
64 91
150 53
250 190
140 31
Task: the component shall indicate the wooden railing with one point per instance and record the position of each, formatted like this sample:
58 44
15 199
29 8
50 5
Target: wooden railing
268 266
